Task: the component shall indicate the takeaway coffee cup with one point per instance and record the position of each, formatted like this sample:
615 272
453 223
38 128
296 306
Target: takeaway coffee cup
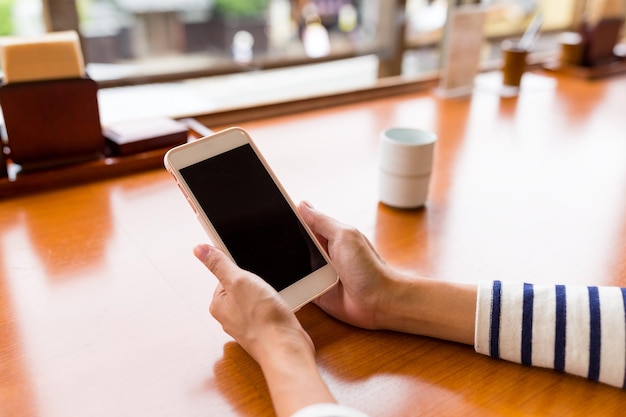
571 48
514 63
406 158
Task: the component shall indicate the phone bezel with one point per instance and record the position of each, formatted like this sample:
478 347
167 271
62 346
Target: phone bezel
297 294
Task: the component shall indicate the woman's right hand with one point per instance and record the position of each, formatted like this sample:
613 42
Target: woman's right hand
360 297
372 295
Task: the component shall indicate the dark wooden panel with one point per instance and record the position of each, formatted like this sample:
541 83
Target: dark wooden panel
52 122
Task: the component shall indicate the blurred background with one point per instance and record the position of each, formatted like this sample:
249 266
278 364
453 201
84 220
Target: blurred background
142 42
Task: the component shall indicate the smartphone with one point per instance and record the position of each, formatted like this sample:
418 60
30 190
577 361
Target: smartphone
247 213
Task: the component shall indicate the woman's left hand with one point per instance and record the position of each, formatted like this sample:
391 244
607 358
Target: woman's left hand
249 309
255 315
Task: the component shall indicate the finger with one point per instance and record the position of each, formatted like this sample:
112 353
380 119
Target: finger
217 262
319 223
321 239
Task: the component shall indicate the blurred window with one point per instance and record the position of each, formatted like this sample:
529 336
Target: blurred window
21 17
426 20
134 42
126 39
183 37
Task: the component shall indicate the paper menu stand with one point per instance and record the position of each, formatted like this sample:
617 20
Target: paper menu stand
50 106
462 45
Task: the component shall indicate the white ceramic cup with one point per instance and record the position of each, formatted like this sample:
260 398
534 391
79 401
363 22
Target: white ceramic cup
406 159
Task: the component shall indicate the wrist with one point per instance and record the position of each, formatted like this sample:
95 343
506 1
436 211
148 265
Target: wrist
428 307
400 307
289 366
279 344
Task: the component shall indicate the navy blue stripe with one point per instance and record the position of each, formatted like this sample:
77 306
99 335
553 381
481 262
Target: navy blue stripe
560 328
494 331
595 333
624 302
527 325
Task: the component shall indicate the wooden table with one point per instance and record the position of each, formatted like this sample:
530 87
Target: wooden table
103 309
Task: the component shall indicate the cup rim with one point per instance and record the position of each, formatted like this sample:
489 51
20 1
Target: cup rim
427 137
512 45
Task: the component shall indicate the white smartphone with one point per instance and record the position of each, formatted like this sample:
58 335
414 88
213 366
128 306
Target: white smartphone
248 214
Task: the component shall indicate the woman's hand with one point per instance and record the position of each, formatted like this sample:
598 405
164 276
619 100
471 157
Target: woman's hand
255 315
373 295
362 296
249 309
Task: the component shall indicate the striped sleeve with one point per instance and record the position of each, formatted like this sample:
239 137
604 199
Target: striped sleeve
575 329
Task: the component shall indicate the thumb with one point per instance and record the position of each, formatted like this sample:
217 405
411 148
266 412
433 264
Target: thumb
321 224
217 262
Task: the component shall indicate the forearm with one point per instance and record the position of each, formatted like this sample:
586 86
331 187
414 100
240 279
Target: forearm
293 378
441 309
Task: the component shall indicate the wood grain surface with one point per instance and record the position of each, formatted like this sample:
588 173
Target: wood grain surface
103 309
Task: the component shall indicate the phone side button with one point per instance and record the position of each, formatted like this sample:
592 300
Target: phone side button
192 206
186 197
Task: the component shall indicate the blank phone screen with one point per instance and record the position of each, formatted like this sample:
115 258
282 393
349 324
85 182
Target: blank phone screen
253 219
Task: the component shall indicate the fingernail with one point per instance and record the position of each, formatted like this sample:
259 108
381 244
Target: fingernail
201 251
307 204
